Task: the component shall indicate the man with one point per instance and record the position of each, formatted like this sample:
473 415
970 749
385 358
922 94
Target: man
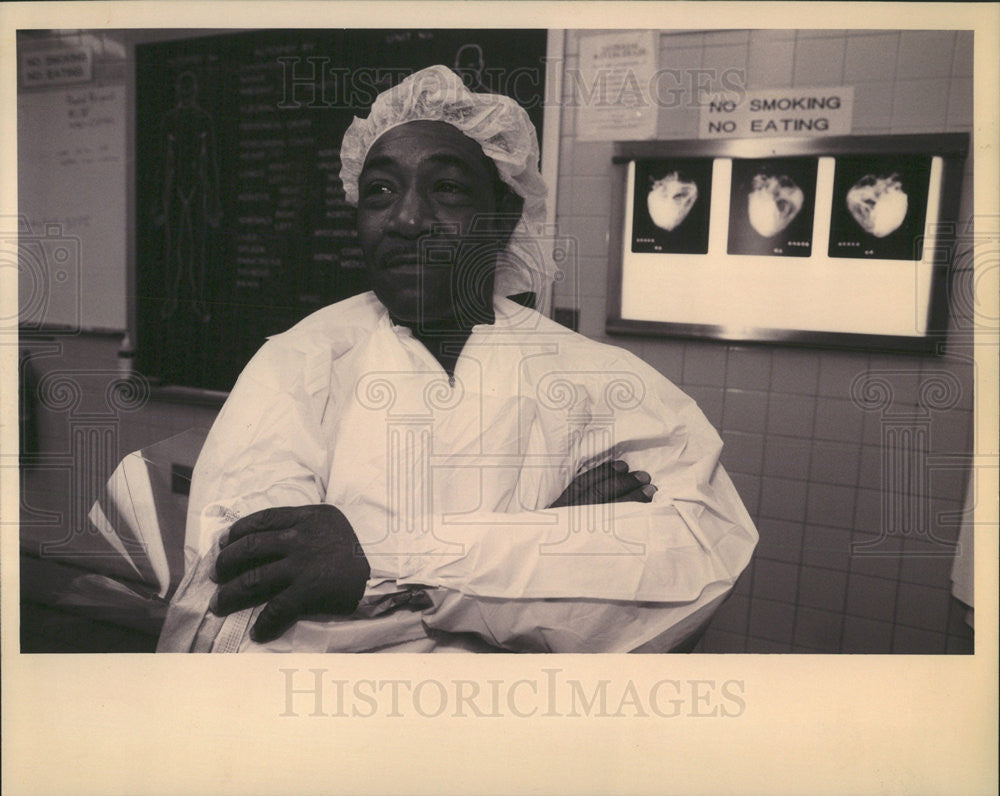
433 467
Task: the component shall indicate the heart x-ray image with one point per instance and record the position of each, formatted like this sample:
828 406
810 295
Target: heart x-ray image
879 207
670 199
772 206
878 204
670 206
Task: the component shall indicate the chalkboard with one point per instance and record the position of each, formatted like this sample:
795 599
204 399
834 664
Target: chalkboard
242 226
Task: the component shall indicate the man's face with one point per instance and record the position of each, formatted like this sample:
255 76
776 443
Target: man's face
422 185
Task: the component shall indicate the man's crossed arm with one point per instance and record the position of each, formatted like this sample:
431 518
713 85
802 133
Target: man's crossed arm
306 560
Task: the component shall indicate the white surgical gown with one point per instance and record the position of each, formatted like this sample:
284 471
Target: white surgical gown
446 484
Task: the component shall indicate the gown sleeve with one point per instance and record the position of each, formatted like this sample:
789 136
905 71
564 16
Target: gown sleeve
265 448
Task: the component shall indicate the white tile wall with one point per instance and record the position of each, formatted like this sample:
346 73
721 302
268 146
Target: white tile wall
806 459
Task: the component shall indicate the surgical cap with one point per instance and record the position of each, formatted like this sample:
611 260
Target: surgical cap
504 131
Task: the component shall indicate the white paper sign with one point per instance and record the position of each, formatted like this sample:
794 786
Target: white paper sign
784 112
56 67
612 86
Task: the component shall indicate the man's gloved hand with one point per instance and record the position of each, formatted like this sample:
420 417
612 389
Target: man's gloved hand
299 560
610 482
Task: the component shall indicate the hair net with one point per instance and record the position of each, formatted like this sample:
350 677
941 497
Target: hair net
504 131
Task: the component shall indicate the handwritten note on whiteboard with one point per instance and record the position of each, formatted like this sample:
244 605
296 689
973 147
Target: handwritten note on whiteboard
71 197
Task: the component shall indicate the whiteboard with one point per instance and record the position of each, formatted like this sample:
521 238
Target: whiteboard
71 207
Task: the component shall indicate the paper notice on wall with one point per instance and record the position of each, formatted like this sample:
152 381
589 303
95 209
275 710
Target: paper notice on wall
784 112
612 86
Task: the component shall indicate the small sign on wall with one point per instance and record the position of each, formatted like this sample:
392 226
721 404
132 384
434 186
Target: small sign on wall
612 86
56 67
785 112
